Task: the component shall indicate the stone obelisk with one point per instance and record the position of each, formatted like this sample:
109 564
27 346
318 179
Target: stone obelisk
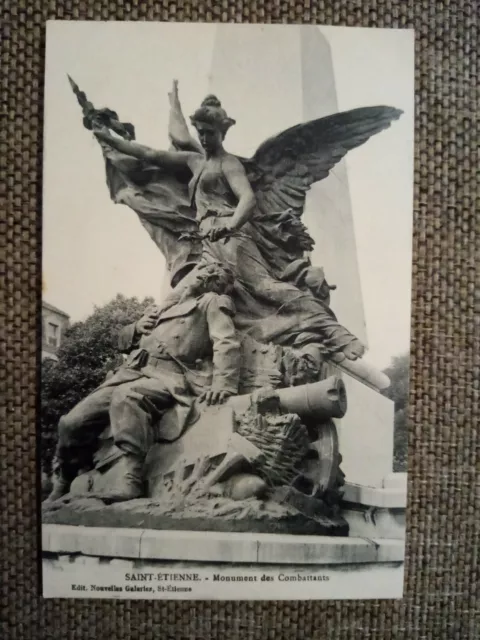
269 79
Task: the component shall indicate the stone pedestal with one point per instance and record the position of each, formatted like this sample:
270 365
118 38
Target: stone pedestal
366 434
94 562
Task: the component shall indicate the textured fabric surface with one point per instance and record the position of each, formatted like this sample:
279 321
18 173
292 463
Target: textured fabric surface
443 514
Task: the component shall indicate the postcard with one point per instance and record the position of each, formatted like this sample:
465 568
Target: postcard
227 222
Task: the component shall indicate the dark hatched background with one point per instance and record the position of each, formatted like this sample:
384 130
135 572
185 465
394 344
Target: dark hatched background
443 513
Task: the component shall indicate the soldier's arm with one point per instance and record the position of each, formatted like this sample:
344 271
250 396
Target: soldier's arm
128 338
226 345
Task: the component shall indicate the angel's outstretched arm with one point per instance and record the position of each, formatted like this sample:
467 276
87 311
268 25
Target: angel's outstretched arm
170 160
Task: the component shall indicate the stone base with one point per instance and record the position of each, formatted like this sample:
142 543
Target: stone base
372 522
212 514
380 497
377 512
250 548
99 562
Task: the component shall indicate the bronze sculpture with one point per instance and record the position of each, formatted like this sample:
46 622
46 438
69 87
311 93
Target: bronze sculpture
194 195
160 374
204 207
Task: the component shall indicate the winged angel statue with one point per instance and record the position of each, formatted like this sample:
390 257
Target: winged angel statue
199 202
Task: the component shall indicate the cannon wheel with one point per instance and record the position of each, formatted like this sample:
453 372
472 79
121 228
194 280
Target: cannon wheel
320 470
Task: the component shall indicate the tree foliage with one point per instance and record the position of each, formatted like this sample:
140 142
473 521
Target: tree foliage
87 353
398 372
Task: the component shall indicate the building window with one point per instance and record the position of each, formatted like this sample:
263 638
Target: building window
52 334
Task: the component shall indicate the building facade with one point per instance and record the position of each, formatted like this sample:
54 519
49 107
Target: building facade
54 324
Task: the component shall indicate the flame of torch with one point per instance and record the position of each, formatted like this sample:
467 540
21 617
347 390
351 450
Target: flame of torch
106 117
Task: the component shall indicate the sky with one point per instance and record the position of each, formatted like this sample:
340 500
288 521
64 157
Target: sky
94 249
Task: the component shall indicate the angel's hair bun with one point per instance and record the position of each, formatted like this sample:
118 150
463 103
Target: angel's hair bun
211 101
211 112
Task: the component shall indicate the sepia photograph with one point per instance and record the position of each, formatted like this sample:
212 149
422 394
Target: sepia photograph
226 304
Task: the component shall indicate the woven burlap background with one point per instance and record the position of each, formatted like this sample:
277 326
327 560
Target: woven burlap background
442 564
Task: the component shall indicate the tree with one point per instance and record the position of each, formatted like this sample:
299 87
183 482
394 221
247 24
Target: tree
398 372
87 353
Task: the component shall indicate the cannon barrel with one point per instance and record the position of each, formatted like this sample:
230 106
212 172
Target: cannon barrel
316 401
364 371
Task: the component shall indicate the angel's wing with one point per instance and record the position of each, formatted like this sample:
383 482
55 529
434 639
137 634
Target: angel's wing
285 166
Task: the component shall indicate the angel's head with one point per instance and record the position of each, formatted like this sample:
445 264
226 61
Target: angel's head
212 123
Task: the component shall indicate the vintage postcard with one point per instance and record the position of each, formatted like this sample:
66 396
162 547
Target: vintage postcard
227 220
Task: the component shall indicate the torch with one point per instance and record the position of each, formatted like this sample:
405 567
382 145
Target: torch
93 117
